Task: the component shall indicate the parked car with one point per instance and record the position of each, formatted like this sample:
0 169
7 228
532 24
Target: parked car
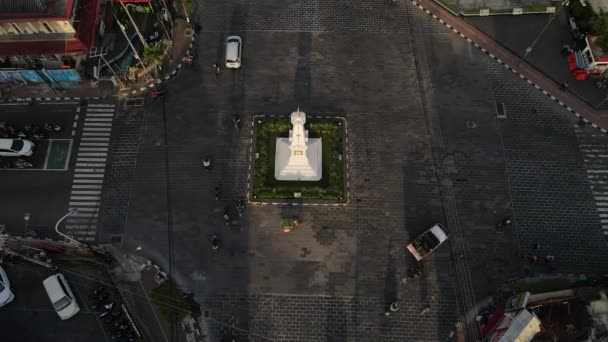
6 295
61 296
233 52
16 148
427 242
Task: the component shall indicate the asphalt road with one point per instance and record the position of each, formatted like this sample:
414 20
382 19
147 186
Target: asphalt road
30 316
43 194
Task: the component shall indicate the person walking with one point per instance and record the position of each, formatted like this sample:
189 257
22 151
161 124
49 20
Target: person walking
533 259
564 85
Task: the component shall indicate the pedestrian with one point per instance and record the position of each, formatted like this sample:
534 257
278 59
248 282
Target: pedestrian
533 259
564 85
549 258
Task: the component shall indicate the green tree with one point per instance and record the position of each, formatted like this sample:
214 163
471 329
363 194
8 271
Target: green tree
153 55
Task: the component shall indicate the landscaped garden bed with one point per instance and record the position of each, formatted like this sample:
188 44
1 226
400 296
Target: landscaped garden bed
331 186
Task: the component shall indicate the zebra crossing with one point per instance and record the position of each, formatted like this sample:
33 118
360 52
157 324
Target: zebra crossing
91 159
594 147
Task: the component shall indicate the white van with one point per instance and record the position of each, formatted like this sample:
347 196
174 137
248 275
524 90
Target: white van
61 296
233 52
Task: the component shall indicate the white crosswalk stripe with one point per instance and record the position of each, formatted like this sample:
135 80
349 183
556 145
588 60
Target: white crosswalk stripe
595 148
91 161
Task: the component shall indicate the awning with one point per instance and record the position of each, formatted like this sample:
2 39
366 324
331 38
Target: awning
23 48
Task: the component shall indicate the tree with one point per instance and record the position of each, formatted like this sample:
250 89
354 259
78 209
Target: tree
153 55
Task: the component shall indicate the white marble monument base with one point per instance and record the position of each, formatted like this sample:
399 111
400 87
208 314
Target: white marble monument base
289 167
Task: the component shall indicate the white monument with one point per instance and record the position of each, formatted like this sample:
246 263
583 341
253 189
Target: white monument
298 158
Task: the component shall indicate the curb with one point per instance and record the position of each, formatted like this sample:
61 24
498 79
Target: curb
249 185
76 98
578 115
158 81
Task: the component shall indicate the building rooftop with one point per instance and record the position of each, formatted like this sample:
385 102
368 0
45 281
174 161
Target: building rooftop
20 10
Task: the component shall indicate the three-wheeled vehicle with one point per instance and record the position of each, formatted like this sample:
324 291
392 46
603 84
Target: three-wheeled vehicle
428 241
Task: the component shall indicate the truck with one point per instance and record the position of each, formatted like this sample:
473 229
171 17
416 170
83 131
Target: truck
428 241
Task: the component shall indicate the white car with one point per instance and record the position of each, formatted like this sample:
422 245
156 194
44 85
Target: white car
233 52
6 295
61 296
16 148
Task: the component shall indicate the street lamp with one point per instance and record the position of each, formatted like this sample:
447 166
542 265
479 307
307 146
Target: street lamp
70 213
26 217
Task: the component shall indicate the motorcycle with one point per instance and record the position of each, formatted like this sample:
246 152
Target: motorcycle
240 206
51 128
215 242
22 164
236 120
217 191
207 164
227 217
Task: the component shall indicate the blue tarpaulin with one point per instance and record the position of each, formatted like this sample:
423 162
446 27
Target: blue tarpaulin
66 75
31 76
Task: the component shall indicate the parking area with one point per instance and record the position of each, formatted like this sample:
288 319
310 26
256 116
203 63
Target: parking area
41 182
31 315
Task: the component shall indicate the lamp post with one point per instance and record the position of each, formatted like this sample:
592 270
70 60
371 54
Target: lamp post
26 217
70 213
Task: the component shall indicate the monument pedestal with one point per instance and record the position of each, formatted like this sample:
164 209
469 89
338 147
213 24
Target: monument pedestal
298 158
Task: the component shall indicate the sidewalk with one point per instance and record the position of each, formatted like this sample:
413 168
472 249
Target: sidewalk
136 277
182 46
546 54
45 92
598 118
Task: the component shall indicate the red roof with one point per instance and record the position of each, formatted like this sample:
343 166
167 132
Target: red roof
53 12
86 30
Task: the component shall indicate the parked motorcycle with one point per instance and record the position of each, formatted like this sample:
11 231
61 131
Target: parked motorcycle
22 164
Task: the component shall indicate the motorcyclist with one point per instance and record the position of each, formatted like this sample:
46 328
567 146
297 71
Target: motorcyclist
207 163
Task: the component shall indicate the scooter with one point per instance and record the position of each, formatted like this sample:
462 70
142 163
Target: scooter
215 242
22 164
236 120
217 191
207 164
240 206
51 128
227 217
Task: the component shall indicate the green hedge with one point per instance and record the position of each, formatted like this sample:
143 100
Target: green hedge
331 185
170 301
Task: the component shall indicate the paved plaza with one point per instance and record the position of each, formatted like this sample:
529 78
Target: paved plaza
426 144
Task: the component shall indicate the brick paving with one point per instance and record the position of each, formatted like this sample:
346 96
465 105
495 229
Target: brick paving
425 146
548 166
